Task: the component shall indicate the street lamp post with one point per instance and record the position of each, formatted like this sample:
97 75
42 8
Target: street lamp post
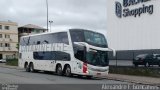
50 25
47 13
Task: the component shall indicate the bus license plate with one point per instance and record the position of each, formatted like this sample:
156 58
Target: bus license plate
98 74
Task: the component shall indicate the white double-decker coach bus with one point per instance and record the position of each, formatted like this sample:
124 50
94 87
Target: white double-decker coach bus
74 51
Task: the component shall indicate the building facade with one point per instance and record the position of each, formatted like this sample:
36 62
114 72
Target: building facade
30 29
8 40
133 24
133 27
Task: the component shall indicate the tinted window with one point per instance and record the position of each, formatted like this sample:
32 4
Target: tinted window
7 45
62 56
1 44
61 37
7 27
1 35
79 52
77 36
98 58
96 39
92 38
149 57
51 55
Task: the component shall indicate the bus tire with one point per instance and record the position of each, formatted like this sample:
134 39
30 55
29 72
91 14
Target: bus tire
26 66
59 70
68 71
31 67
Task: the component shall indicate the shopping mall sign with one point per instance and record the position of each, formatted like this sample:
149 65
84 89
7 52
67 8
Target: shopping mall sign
125 9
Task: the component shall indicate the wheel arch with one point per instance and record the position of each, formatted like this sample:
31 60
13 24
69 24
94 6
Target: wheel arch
30 63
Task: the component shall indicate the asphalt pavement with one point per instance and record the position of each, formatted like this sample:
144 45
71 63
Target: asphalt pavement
14 78
49 81
19 76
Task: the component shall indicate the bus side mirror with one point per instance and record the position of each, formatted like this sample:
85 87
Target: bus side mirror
114 52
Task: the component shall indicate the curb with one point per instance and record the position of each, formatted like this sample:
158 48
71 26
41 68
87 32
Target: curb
133 81
11 67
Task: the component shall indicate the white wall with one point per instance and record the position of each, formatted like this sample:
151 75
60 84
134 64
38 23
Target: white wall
132 33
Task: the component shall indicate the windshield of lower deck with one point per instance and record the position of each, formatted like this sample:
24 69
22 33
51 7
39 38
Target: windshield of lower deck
99 58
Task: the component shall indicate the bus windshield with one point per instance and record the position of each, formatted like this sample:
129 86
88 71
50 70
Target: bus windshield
95 57
95 39
99 58
92 38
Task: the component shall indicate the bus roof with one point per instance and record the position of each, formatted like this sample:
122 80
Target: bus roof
60 30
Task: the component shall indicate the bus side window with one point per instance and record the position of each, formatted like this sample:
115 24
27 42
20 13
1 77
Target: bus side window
38 42
63 38
79 52
63 56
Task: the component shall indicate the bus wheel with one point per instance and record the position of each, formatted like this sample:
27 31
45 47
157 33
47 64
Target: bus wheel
59 70
26 66
31 67
68 71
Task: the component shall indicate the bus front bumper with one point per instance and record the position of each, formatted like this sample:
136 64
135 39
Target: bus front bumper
97 72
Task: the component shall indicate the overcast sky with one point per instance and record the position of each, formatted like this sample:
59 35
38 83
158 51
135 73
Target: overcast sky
89 14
